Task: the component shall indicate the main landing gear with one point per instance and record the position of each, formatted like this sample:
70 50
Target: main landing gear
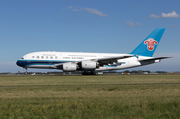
90 73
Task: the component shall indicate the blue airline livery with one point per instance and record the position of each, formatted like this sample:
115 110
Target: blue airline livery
91 63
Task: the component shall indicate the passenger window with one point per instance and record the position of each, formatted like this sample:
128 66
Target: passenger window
42 57
33 56
46 57
56 57
37 57
51 57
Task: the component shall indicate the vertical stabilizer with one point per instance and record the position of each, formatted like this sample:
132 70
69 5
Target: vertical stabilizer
149 45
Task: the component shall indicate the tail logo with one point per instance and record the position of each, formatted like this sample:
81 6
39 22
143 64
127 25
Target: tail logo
150 43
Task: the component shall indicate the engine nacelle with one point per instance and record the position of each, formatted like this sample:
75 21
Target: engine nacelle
69 67
89 65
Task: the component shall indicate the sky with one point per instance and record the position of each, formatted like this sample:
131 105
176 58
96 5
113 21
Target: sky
99 26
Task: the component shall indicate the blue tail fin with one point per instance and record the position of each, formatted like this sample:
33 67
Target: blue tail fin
149 45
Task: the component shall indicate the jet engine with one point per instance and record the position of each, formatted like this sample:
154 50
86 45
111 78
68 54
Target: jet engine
89 65
69 67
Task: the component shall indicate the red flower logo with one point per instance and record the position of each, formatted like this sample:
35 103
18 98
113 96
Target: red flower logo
150 43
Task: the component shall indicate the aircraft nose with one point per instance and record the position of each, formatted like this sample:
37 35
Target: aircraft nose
19 63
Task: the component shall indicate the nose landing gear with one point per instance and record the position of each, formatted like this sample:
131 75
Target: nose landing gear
26 71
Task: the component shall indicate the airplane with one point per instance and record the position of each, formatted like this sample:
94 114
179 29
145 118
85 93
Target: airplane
91 63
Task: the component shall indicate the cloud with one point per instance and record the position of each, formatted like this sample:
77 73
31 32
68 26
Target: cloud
172 14
90 10
95 11
76 8
129 23
154 16
70 7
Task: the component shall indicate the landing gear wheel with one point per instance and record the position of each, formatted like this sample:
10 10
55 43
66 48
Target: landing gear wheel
89 73
93 73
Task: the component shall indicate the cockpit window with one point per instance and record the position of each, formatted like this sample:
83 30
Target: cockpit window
22 57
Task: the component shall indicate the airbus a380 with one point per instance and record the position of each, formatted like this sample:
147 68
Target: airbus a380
91 63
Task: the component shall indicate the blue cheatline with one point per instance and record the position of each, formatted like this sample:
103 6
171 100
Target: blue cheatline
149 45
25 63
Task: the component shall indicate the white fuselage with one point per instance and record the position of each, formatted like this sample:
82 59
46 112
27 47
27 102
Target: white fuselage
49 60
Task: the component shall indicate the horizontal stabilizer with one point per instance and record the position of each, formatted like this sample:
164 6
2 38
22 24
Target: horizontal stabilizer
154 58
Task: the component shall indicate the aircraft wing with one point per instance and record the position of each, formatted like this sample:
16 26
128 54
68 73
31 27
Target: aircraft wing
101 61
110 60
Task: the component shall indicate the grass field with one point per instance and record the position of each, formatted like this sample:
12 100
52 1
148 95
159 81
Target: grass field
46 97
